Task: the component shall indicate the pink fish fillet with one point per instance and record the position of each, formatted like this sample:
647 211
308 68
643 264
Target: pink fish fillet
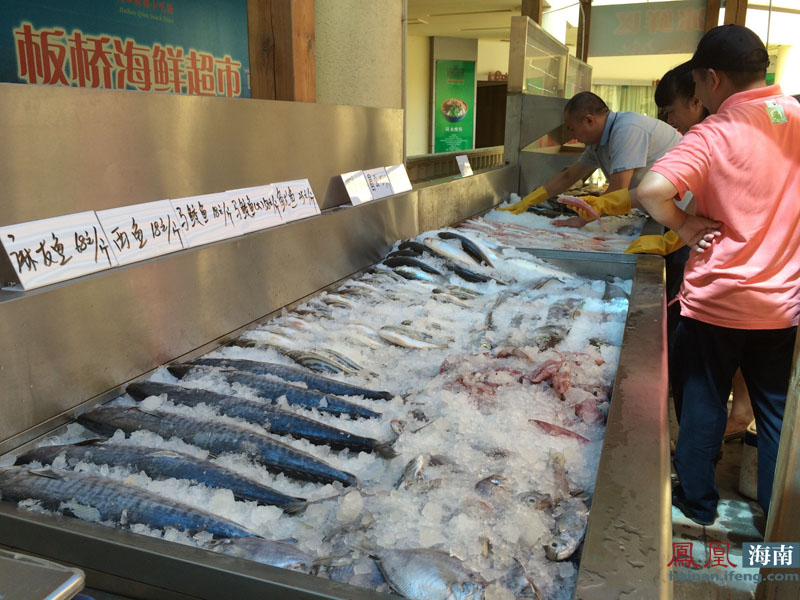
551 429
583 205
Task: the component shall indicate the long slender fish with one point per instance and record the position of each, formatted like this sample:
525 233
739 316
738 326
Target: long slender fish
98 499
407 261
271 390
277 421
314 382
217 438
450 252
474 248
412 273
159 463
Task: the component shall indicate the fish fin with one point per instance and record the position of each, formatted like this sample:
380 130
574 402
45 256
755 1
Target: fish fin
386 450
45 472
100 439
294 508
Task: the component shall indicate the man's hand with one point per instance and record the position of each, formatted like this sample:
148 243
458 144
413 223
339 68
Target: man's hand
698 232
537 196
656 244
615 203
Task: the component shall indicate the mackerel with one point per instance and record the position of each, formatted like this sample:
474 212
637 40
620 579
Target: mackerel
314 382
450 252
159 463
217 438
272 390
472 247
275 420
97 499
403 336
407 261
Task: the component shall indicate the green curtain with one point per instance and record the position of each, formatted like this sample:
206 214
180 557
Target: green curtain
632 98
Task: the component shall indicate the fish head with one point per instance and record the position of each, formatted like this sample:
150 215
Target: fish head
537 500
561 548
468 590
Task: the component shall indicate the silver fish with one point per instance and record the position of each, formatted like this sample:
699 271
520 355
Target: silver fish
408 338
450 252
491 485
415 273
427 574
267 552
569 530
317 362
471 246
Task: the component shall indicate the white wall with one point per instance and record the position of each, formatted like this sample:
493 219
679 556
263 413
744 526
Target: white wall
418 95
633 70
492 56
359 52
787 73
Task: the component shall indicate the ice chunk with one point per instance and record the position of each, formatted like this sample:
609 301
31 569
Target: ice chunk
350 507
498 592
433 512
262 515
222 501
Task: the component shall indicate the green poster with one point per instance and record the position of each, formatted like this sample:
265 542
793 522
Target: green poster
454 105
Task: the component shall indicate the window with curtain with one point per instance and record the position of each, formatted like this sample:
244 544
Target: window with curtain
631 98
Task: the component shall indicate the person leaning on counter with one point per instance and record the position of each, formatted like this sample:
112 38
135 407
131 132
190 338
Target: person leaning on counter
624 145
740 298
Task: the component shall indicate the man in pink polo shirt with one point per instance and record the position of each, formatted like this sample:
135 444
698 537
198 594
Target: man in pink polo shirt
740 297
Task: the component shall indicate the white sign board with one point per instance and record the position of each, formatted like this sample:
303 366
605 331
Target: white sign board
256 207
205 219
356 185
378 181
141 231
296 200
398 178
463 165
56 249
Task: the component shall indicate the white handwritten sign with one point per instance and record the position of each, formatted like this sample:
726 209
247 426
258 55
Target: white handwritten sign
398 178
463 165
378 181
56 249
296 200
205 219
141 231
356 185
255 208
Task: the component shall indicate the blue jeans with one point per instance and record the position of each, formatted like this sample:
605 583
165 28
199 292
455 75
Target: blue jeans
704 360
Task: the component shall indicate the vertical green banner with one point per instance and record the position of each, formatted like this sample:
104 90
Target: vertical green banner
454 106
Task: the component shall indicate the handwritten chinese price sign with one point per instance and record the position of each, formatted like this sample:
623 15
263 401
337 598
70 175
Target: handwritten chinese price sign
142 231
56 249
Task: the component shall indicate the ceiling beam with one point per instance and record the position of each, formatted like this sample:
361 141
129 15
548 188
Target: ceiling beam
584 27
712 14
735 12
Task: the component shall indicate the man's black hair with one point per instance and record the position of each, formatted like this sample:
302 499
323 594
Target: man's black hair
585 103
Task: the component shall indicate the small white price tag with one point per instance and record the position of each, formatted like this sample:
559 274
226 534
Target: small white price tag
256 206
398 178
56 249
378 182
356 185
296 200
141 231
206 219
463 165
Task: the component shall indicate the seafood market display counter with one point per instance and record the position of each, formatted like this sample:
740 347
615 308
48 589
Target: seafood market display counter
70 347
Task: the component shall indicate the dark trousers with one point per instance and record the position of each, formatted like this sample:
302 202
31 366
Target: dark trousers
704 361
673 268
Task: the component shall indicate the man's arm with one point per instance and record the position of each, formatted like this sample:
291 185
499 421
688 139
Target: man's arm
655 193
618 181
561 182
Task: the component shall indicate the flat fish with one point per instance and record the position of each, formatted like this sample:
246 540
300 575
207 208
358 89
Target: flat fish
159 463
427 574
275 420
583 205
98 499
217 438
272 390
314 382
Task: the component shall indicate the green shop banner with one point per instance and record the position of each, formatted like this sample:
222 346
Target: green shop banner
454 105
180 46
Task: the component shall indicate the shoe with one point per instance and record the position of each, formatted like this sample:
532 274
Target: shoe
680 502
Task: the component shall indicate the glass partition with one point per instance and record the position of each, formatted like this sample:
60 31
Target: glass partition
579 77
537 61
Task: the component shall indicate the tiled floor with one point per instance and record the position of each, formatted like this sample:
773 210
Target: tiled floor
739 520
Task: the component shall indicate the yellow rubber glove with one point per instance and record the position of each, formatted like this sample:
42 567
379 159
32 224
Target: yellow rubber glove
656 244
537 196
615 203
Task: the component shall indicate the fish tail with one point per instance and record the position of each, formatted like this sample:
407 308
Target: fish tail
294 508
386 450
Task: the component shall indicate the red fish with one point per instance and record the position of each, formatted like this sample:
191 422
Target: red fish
561 381
583 205
551 429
